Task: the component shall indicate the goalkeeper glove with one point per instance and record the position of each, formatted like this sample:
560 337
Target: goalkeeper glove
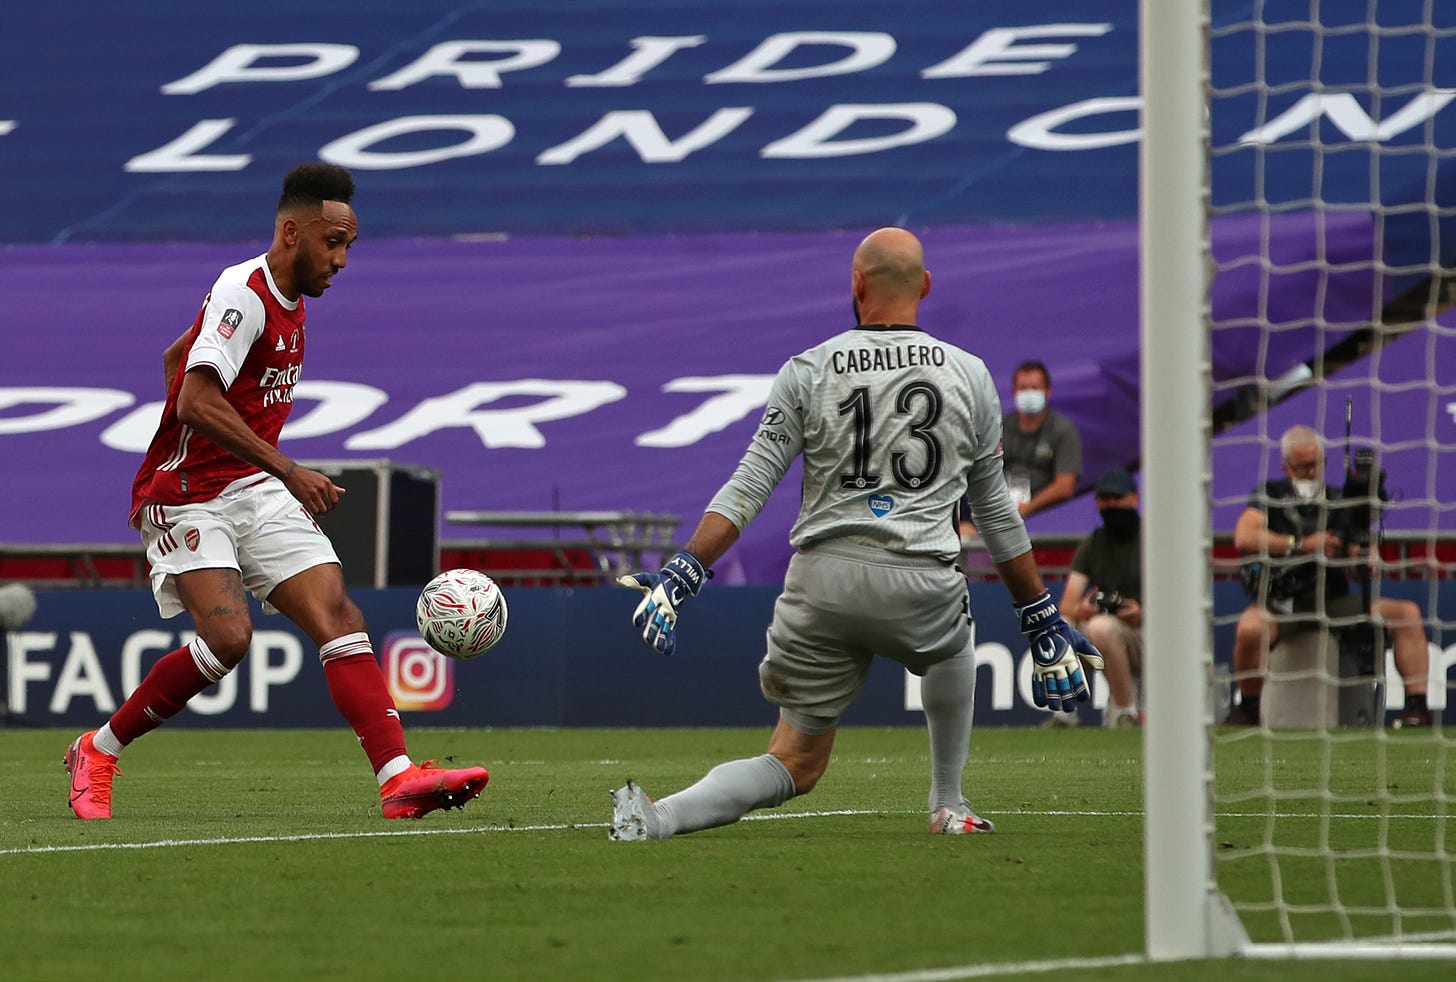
656 616
1056 673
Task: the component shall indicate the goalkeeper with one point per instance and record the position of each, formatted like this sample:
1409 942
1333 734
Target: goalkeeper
894 427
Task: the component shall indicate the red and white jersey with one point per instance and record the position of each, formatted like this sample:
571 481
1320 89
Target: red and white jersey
252 336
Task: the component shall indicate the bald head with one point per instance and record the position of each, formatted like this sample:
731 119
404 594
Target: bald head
889 277
891 259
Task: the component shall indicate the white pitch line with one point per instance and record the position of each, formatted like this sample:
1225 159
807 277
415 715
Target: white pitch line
305 837
761 817
989 971
382 834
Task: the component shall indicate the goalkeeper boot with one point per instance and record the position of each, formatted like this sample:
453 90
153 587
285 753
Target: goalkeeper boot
425 787
634 816
1416 716
959 821
91 775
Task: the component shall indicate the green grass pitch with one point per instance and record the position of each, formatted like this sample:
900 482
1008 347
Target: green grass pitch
261 855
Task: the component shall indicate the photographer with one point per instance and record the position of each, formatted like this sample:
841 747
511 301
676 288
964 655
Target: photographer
1302 542
1104 593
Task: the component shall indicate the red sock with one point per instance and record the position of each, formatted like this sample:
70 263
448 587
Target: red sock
362 698
177 677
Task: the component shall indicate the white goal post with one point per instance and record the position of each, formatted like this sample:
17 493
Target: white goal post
1183 917
1187 914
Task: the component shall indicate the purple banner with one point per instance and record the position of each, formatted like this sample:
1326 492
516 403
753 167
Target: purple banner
1402 401
574 374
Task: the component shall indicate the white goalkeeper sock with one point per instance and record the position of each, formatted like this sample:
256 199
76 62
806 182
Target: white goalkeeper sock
725 794
948 694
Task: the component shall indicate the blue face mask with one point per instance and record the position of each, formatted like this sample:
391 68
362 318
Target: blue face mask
1030 401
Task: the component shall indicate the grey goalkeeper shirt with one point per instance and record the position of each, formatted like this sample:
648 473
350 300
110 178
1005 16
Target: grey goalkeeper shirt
894 426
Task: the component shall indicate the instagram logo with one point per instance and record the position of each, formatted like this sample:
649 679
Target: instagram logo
418 676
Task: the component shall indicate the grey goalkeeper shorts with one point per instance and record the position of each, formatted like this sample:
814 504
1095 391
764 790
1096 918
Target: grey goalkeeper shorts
842 605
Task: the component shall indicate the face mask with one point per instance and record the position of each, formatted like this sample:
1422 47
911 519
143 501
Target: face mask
1121 523
1308 490
1030 401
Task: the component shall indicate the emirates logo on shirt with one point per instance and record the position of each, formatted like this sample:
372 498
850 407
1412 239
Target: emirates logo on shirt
231 318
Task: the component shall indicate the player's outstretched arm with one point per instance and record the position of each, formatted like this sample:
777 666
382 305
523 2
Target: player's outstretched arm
1058 650
681 577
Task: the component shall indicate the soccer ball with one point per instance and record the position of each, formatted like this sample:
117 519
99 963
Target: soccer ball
461 613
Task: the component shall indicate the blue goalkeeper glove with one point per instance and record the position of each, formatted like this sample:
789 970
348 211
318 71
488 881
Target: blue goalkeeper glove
656 616
1056 646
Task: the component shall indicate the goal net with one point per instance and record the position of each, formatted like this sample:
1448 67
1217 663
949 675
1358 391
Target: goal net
1314 161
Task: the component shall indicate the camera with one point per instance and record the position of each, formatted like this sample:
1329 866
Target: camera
1107 601
1363 496
1361 500
1274 583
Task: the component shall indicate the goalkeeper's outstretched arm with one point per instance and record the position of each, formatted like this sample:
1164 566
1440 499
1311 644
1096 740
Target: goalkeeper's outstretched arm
681 577
1022 577
1057 649
713 537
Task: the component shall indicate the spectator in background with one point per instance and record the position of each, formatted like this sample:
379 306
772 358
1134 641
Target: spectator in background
1042 448
1103 596
1287 525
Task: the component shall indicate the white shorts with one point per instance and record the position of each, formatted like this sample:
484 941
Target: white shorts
258 529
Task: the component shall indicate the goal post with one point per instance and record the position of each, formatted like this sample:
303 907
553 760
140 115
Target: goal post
1183 919
1315 839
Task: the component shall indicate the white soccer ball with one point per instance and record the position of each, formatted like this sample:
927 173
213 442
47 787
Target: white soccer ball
461 613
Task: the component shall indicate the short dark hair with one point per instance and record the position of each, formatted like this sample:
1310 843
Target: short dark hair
1033 366
315 183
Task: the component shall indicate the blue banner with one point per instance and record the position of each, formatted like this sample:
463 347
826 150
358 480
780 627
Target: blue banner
569 658
156 121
